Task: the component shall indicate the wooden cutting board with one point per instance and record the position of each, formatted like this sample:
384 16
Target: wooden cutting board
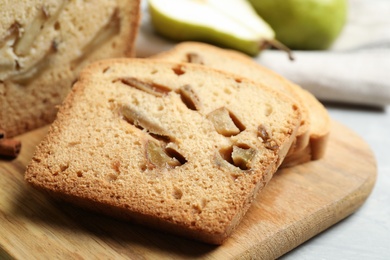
297 204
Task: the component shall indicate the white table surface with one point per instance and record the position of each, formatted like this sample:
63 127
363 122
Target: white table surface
366 233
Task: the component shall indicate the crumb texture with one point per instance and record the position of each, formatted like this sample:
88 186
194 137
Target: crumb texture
311 139
178 144
43 47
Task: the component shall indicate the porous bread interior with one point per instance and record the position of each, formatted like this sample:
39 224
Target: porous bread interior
313 133
240 64
57 54
91 152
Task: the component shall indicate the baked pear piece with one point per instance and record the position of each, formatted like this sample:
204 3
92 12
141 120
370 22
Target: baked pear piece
312 137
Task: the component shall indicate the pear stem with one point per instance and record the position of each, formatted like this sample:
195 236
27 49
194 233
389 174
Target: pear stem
280 46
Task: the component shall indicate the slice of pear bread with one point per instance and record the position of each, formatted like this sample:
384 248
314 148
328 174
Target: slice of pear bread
313 133
178 147
43 46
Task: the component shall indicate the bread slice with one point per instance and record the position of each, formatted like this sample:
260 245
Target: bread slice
43 46
315 124
173 146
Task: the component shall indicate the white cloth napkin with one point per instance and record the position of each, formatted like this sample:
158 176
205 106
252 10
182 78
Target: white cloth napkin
355 70
356 77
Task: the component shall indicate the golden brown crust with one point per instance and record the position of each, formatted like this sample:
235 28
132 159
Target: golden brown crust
99 157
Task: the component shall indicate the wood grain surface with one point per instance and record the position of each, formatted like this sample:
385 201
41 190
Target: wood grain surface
297 204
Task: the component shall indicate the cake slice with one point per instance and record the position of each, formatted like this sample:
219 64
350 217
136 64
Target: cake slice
43 46
178 147
312 136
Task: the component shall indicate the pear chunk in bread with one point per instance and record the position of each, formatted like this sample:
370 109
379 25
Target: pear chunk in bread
312 136
178 147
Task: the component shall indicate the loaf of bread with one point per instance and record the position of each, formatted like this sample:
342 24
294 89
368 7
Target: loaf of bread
178 147
43 46
312 136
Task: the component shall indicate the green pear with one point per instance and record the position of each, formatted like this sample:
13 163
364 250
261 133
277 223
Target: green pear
304 24
230 23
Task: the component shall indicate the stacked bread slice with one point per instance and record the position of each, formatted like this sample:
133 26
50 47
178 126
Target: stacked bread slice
176 146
